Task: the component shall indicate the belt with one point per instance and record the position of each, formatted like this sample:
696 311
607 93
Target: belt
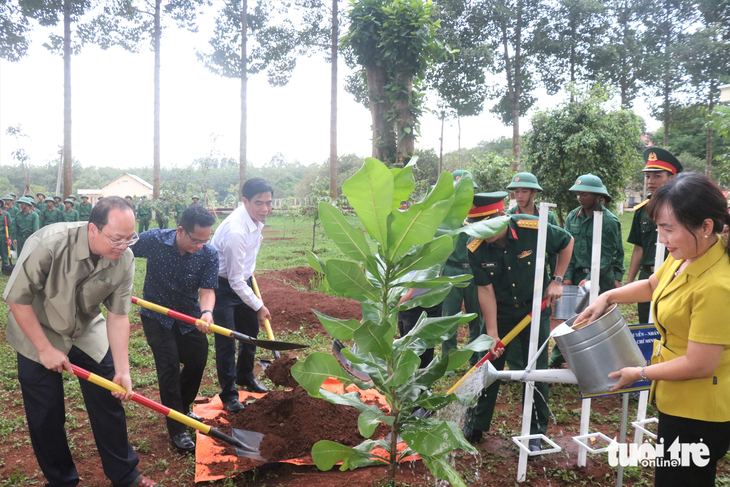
647 268
521 305
585 270
458 265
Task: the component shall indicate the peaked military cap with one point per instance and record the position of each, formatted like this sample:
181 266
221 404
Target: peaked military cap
486 206
658 159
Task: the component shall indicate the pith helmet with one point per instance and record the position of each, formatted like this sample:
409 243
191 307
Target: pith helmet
524 180
462 173
589 183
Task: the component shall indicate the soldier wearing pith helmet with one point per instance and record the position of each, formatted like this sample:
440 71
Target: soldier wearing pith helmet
661 167
458 264
504 272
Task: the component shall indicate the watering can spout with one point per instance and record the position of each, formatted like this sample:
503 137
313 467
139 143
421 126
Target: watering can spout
563 376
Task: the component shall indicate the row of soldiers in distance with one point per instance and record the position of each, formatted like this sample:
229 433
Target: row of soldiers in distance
502 289
22 217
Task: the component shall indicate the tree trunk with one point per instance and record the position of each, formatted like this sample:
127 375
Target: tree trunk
458 124
333 105
244 115
708 147
383 140
441 149
666 104
405 123
516 150
156 129
67 154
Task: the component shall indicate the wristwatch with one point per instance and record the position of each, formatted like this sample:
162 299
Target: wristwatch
643 374
558 279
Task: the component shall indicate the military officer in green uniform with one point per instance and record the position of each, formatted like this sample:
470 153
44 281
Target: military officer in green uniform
8 232
162 213
84 208
144 215
26 223
661 167
591 192
458 264
195 199
49 214
179 210
40 201
504 272
69 213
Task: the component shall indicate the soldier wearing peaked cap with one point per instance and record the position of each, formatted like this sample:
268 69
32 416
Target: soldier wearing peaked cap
504 272
458 264
661 167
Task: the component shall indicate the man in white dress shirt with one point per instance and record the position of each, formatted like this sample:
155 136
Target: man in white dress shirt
237 241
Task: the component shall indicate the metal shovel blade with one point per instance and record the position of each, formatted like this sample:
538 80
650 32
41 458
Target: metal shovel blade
345 363
8 269
274 345
250 444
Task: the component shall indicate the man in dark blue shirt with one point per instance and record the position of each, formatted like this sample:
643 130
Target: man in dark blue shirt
180 267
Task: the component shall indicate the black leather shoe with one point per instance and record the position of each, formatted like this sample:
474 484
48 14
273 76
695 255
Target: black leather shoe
535 444
471 435
194 416
183 443
251 384
232 406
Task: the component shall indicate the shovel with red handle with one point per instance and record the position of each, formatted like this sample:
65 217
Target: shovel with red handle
246 443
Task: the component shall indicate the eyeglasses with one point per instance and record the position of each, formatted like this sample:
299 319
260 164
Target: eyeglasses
117 244
195 240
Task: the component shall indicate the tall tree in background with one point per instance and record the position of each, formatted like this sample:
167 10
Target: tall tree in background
509 27
394 42
272 51
566 36
706 59
619 59
50 13
666 30
459 80
13 30
129 24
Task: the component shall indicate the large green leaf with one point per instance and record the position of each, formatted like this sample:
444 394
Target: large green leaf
337 328
404 367
350 240
315 262
403 184
374 338
351 399
325 454
418 224
463 198
370 192
315 369
428 299
484 229
458 357
368 421
348 278
433 437
456 281
441 468
435 330
434 252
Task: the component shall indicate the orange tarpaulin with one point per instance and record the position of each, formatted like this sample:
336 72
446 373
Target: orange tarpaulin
209 451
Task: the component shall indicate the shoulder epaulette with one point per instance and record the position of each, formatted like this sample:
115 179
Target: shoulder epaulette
528 223
640 205
474 244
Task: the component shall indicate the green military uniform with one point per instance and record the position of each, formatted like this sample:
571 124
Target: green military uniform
179 210
58 202
84 208
8 231
144 215
134 208
40 205
511 271
70 214
162 214
195 199
458 264
26 224
643 229
50 215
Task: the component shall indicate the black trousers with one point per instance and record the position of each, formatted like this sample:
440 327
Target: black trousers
46 413
715 435
178 387
231 312
407 321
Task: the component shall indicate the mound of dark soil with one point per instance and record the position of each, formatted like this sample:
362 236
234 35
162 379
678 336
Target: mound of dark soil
279 372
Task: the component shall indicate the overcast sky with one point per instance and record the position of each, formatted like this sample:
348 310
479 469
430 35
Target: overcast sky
112 93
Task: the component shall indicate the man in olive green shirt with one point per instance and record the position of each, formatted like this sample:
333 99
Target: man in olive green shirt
84 208
162 212
69 213
50 215
179 210
26 223
661 167
144 215
66 272
40 202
